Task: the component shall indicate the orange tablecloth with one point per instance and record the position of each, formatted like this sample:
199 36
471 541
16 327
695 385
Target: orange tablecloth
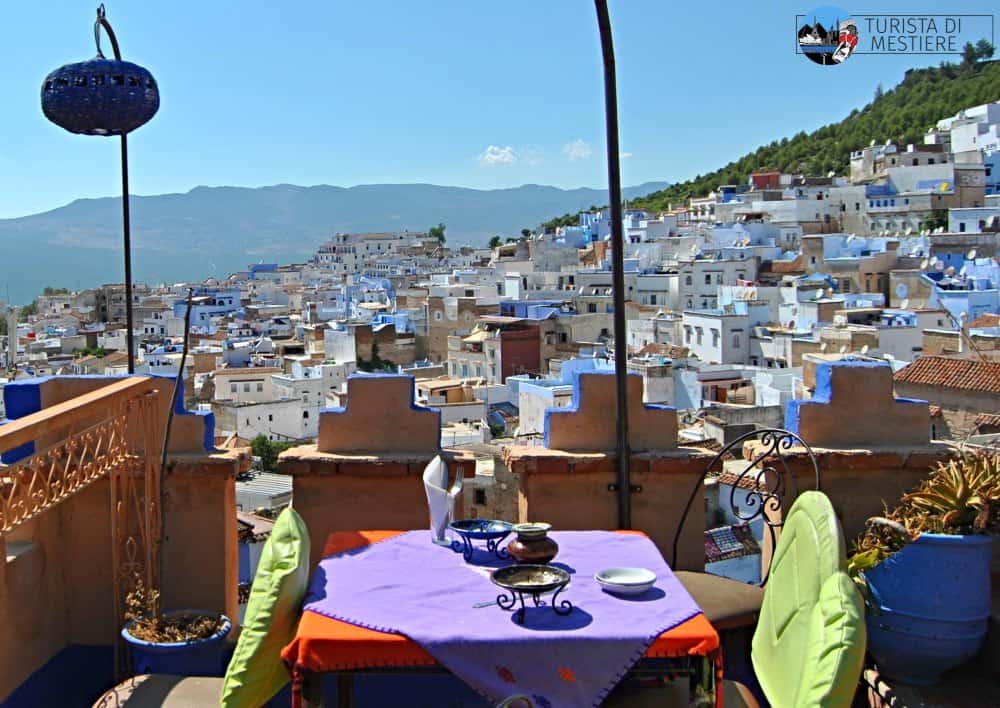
323 644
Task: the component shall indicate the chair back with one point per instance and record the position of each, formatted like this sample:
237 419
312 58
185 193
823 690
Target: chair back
809 644
757 489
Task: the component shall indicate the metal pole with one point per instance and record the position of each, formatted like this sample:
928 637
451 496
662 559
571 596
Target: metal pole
617 266
100 23
127 237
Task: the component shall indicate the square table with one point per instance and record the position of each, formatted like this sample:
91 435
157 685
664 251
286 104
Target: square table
326 645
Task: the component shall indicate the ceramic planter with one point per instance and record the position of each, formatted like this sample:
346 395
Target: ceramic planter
928 606
198 657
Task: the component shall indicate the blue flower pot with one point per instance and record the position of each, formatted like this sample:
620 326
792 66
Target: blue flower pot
929 606
199 657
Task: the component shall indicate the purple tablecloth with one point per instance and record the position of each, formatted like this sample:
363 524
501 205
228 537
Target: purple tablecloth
409 586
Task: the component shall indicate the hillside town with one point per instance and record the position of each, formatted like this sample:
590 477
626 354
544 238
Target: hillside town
731 299
732 302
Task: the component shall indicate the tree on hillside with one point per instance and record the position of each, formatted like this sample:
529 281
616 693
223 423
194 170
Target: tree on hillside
525 233
437 232
49 290
268 451
495 241
969 54
27 311
902 113
984 50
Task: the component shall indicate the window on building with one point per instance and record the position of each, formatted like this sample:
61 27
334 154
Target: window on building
736 341
687 280
698 334
652 299
270 418
246 388
234 388
260 388
592 307
687 335
438 315
718 279
916 162
563 337
479 497
715 337
857 206
708 278
305 414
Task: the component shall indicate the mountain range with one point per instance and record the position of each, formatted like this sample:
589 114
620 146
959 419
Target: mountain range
214 231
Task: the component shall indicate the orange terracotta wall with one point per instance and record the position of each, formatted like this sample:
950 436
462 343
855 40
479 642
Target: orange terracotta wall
201 558
571 491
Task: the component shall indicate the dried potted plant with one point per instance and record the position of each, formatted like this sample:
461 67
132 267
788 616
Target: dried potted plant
181 643
924 569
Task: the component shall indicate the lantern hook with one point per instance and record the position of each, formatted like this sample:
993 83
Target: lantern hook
102 21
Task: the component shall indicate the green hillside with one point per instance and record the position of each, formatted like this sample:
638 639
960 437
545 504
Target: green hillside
902 114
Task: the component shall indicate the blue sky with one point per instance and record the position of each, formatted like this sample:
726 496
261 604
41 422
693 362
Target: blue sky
458 92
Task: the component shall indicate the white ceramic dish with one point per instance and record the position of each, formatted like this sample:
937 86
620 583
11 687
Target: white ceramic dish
626 581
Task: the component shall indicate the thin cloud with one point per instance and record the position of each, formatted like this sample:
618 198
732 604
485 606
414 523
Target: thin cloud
626 155
579 149
496 156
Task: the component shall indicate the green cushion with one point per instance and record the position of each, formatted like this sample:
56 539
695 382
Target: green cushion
256 672
810 634
836 651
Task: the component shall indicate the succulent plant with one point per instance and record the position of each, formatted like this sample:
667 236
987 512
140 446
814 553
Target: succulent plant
961 496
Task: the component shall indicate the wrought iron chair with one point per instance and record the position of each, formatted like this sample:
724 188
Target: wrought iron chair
732 606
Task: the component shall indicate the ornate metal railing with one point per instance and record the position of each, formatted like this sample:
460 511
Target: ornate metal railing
766 480
114 432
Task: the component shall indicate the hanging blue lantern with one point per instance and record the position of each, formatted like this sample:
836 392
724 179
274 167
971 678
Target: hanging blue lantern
101 96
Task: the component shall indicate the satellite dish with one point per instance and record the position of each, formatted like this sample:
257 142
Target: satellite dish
864 349
971 255
909 231
901 290
831 173
843 348
819 294
829 292
950 272
822 347
939 266
850 237
934 260
872 143
888 143
924 263
962 271
905 303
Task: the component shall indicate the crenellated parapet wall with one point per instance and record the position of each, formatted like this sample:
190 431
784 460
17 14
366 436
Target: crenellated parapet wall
366 470
380 418
853 406
589 424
